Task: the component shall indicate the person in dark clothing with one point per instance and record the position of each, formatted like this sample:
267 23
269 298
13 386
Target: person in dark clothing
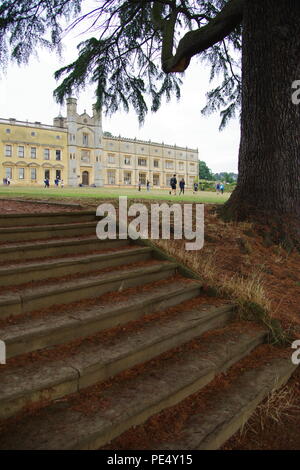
173 184
181 185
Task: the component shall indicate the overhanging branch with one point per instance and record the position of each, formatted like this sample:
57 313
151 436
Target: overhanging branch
201 39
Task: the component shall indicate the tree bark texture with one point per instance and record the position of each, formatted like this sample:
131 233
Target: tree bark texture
269 156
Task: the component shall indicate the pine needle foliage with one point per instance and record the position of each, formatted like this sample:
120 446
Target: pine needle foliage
123 57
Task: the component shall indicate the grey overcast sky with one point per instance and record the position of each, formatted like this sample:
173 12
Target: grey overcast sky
26 93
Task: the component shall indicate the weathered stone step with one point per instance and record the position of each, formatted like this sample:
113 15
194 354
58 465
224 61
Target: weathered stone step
37 333
33 250
36 232
22 220
97 363
227 412
110 412
17 303
41 270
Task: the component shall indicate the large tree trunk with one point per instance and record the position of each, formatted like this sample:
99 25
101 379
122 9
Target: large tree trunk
269 157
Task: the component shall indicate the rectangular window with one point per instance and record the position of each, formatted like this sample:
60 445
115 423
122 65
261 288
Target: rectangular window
47 174
33 152
33 173
85 156
169 165
181 166
168 179
142 162
127 160
58 174
142 178
111 177
8 173
156 163
57 154
21 173
8 150
127 177
20 151
46 154
85 140
155 180
111 158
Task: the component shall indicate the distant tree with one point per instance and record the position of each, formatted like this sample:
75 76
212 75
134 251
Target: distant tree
122 59
224 176
204 172
107 134
228 178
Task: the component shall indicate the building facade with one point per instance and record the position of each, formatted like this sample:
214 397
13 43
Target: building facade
75 150
31 152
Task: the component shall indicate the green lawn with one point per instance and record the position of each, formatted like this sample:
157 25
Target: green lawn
107 193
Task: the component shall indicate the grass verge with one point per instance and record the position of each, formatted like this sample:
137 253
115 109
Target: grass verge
107 193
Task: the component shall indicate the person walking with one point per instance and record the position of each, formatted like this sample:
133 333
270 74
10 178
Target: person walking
181 185
218 188
148 185
195 187
62 183
139 186
173 184
222 188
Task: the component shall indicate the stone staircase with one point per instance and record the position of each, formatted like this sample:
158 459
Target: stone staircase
103 335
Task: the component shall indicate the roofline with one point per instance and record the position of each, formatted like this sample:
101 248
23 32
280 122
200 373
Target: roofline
36 125
149 142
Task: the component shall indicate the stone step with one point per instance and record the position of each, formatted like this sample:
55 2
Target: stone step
37 232
93 417
63 292
229 410
40 270
23 220
94 363
32 334
43 249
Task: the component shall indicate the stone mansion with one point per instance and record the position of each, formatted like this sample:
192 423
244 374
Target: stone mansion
74 149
